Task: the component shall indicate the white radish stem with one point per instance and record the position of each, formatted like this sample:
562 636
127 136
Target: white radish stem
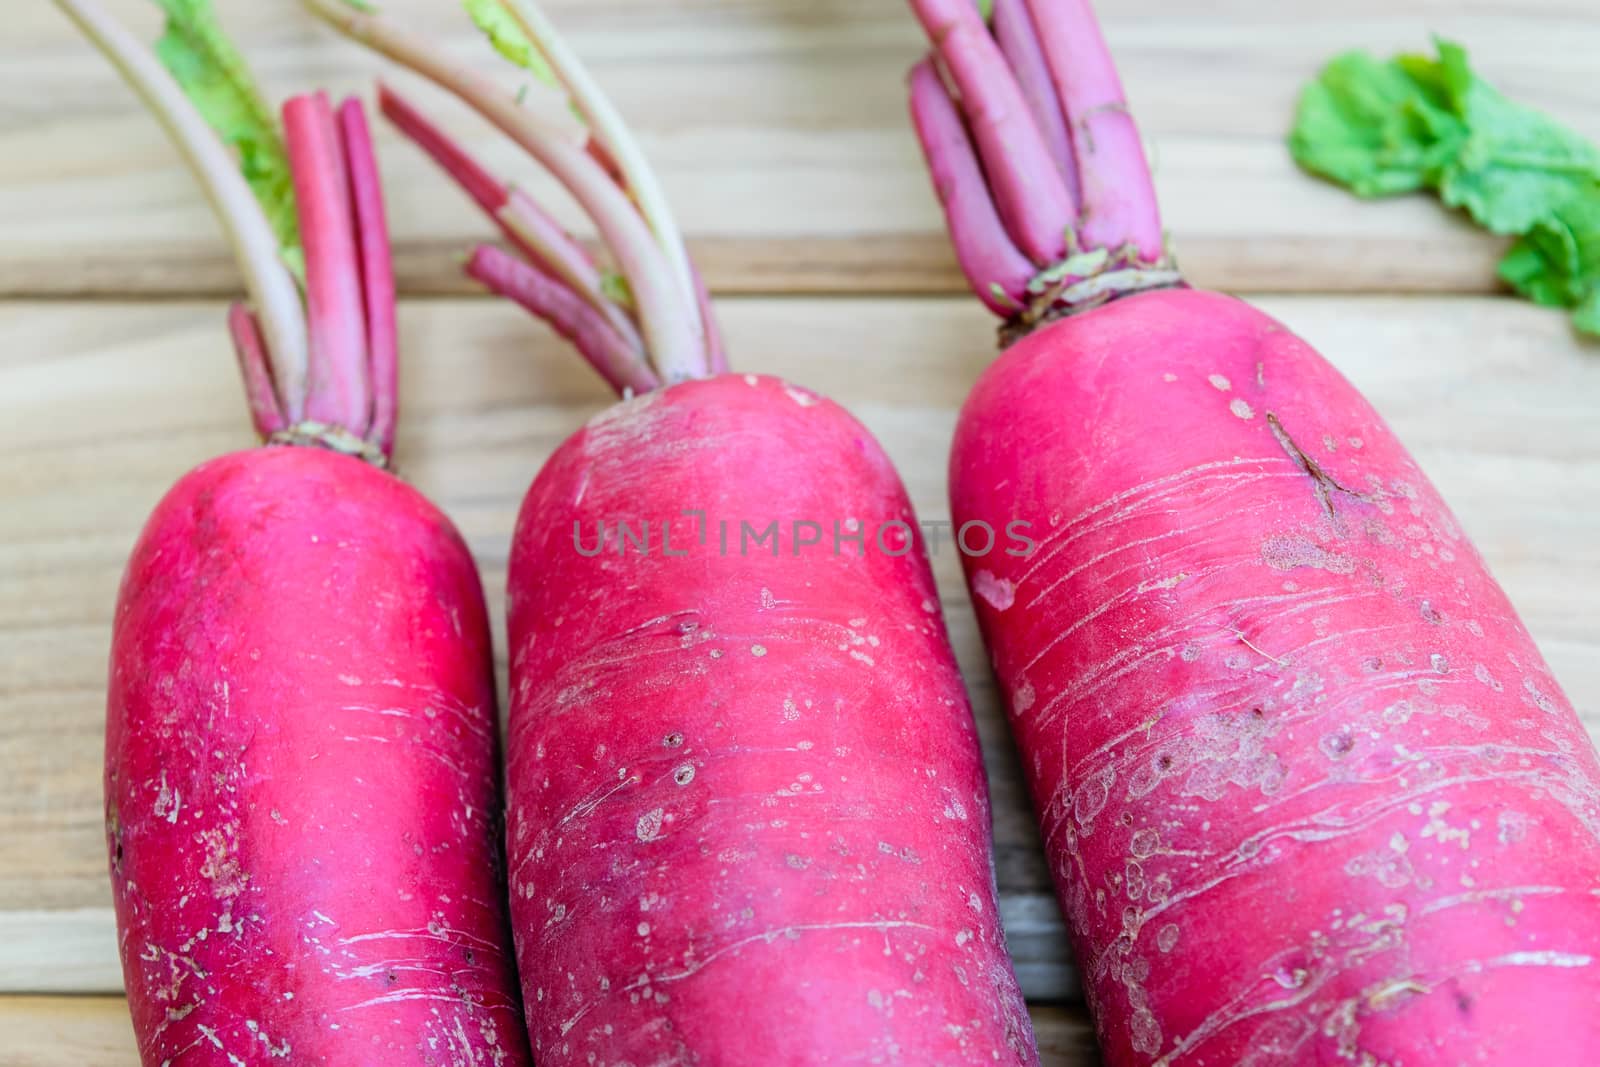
272 288
607 127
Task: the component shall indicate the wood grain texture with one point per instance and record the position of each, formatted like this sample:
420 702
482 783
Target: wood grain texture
95 1032
103 406
780 133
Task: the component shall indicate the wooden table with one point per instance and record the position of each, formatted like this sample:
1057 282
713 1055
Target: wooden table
778 127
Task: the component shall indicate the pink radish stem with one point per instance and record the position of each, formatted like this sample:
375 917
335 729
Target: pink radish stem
1029 191
986 253
598 153
1019 43
568 315
610 139
486 190
716 348
339 394
667 313
535 232
265 413
552 248
377 274
1119 199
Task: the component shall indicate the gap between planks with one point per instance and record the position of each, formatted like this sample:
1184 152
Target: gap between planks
869 265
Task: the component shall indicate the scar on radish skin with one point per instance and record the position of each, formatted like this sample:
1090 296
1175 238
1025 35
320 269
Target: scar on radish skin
998 593
649 825
1323 484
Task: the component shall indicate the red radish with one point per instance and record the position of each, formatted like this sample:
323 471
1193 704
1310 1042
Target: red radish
301 783
748 820
1309 792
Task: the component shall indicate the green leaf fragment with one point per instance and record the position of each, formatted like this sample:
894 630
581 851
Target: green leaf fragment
214 76
1557 262
998 291
1077 265
1369 126
616 289
1417 122
1586 316
509 38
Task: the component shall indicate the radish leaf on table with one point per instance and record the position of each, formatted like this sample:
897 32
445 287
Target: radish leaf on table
1412 123
1557 263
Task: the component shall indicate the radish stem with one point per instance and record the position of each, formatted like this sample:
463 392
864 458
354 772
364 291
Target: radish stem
551 248
537 234
1029 191
265 414
527 225
1119 199
716 348
487 191
271 287
339 394
611 135
566 313
994 267
667 316
377 275
1019 43
598 152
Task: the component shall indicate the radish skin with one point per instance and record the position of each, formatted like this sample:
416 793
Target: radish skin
301 781
748 819
1282 728
747 815
1308 791
301 778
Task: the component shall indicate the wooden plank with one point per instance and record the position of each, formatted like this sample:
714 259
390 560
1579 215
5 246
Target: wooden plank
103 406
96 1032
59 951
779 129
58 1031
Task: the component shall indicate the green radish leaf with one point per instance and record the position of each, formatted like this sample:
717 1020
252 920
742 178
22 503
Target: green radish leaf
986 9
1369 126
214 76
1557 262
1415 122
1586 316
509 38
